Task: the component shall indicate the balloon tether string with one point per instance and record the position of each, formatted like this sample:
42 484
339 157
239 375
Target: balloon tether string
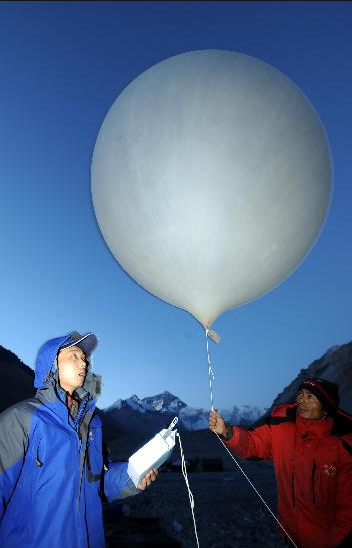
212 377
210 372
259 495
190 495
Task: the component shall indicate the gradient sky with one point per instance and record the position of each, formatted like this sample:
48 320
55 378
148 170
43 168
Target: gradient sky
62 65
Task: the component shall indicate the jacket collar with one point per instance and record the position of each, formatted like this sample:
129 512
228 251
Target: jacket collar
54 398
314 428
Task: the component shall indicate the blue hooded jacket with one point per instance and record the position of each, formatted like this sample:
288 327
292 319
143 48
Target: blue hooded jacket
52 474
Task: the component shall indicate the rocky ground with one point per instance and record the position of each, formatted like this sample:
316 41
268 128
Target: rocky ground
228 512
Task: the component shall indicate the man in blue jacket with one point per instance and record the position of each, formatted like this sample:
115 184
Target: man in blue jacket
52 470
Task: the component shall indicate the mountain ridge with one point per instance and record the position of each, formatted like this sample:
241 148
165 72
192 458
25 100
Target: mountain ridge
334 365
150 414
166 406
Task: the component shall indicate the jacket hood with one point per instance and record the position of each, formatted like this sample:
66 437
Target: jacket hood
46 360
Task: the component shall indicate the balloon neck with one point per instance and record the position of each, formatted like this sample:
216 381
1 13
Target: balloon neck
212 335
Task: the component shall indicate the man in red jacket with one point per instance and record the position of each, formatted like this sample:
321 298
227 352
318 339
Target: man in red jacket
310 443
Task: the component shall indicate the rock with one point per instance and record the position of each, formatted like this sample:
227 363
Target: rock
177 526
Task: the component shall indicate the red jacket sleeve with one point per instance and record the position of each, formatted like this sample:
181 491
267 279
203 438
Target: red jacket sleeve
342 525
255 443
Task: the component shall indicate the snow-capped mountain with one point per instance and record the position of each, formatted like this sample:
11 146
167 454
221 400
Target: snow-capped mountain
158 411
165 403
166 406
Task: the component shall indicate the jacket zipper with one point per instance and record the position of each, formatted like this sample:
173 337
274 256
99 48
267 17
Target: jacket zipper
77 422
314 469
293 489
84 409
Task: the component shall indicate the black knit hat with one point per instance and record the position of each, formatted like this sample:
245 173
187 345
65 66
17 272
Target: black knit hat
327 393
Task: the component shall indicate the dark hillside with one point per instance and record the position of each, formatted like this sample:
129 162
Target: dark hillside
16 384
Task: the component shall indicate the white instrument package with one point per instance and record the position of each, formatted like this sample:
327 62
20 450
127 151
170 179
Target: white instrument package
153 454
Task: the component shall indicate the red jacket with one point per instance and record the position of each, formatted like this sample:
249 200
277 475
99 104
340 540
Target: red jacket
313 466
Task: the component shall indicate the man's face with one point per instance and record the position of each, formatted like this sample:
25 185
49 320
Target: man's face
72 365
308 405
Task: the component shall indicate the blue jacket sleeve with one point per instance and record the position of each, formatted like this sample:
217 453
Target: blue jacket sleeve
117 483
13 446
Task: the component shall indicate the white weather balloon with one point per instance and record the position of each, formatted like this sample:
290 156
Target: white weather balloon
211 180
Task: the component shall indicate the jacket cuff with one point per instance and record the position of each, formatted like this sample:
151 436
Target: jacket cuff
228 433
129 490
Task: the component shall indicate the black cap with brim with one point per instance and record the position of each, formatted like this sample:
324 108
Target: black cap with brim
87 342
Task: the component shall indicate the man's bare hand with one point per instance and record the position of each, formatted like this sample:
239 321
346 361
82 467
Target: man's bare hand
216 423
148 478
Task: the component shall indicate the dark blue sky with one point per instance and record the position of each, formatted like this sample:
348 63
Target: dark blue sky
62 65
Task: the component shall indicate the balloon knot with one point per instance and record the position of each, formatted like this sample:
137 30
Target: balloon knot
212 335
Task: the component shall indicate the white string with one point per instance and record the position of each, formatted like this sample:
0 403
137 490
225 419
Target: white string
190 495
212 377
210 372
259 495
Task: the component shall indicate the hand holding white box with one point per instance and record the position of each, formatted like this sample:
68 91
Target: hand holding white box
153 454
